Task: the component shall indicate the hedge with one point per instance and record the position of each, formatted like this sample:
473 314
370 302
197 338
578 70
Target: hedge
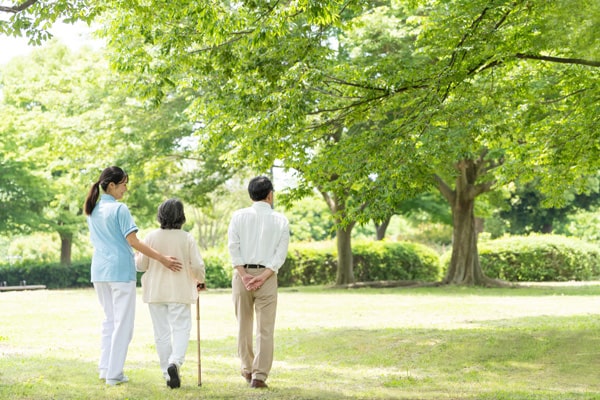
312 263
540 258
515 258
316 263
54 276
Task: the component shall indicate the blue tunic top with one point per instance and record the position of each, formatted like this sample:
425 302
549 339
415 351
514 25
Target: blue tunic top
109 225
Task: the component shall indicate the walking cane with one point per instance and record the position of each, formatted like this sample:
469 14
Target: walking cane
198 337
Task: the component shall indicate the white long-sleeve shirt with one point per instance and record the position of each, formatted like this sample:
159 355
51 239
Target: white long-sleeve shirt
258 235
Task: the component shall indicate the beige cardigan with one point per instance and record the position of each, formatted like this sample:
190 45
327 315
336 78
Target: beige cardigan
160 284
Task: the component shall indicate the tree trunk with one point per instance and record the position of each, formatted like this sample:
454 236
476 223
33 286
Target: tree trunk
66 244
464 266
547 228
381 228
345 270
345 267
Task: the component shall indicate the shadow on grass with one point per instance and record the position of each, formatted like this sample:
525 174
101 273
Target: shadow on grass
519 289
540 357
525 358
55 378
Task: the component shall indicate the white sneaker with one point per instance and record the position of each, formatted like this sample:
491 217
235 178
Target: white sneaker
115 382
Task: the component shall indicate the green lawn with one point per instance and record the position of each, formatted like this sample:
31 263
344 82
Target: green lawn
429 343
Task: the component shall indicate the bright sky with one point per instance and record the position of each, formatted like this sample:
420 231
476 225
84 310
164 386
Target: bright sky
73 36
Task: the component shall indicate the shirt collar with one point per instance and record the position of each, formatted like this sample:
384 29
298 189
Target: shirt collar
261 205
107 197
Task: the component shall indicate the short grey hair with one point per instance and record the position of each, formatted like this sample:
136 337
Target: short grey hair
170 214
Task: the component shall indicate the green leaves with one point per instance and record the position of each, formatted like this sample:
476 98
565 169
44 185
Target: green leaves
68 117
33 19
368 101
22 196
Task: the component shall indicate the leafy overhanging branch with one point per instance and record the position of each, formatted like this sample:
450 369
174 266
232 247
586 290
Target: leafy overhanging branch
578 61
19 7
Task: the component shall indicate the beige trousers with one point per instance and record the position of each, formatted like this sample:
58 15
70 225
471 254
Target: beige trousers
262 302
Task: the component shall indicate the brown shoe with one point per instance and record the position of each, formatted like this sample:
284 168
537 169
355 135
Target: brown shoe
247 377
258 384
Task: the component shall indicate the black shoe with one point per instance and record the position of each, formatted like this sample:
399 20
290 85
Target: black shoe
173 381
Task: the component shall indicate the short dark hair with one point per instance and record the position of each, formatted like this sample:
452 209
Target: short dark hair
259 188
170 214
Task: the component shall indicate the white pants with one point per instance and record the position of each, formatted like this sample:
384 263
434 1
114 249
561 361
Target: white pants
172 324
118 302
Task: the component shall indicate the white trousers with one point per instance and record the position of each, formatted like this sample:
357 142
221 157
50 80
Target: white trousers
118 302
172 324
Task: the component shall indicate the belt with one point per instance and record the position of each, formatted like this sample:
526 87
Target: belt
254 266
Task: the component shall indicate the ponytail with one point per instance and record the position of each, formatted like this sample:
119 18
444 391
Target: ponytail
92 198
110 175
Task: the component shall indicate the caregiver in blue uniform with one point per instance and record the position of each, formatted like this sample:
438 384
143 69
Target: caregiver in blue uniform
113 234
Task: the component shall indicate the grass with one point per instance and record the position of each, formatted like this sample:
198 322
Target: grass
427 343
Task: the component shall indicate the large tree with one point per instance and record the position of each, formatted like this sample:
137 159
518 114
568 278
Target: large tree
500 107
250 117
67 118
374 100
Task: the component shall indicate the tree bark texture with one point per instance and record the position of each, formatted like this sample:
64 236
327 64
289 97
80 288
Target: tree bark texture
345 270
465 268
380 228
345 267
66 244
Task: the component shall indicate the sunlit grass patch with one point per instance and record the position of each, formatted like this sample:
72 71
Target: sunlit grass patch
453 343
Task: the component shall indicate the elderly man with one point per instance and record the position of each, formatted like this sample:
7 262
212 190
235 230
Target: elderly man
258 243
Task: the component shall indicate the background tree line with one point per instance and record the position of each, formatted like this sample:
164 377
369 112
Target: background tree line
371 104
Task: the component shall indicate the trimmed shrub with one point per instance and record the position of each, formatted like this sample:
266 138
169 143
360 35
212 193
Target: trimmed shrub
53 275
375 261
218 268
316 263
56 276
540 258
313 263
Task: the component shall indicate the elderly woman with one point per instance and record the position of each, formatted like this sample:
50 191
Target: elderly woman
168 293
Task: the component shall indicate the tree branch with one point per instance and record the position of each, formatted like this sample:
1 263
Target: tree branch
352 84
460 44
444 189
240 36
561 98
387 91
483 187
492 164
328 199
348 107
18 8
579 61
480 163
